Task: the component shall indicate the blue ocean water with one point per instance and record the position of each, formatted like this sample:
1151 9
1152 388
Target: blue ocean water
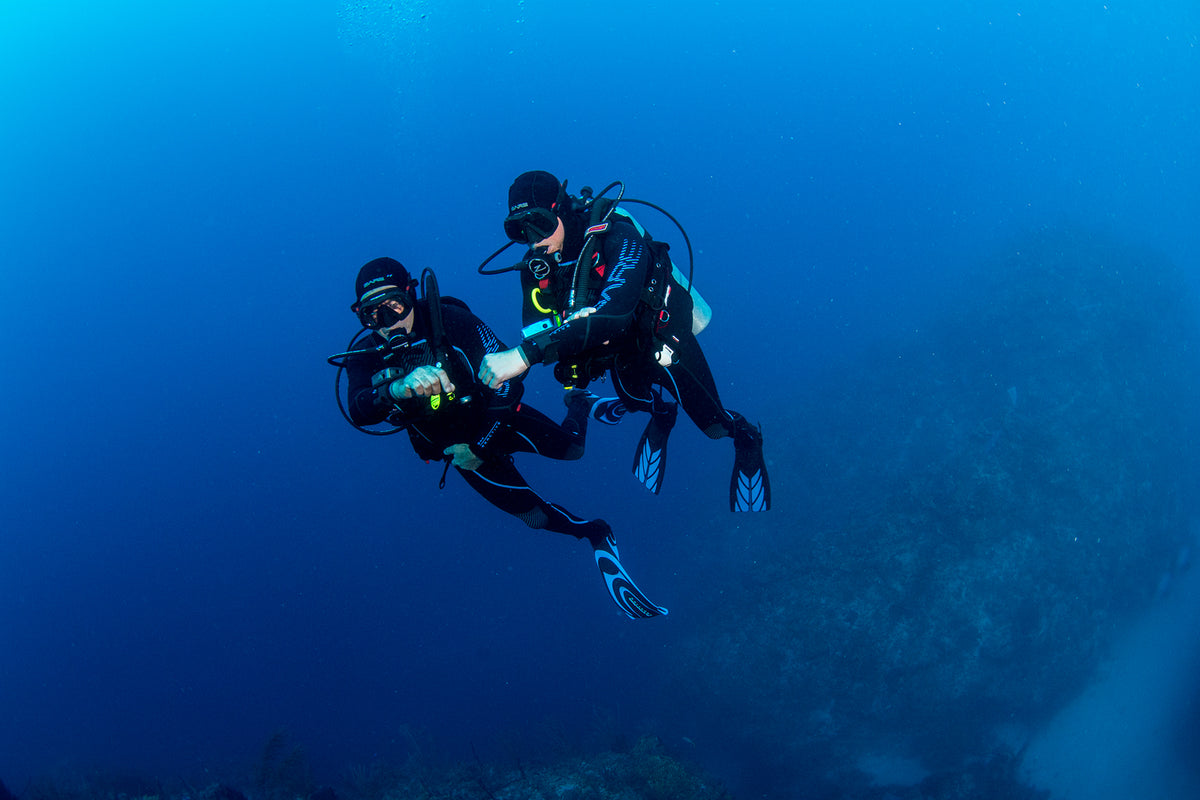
195 550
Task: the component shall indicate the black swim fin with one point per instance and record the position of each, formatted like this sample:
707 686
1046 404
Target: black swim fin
749 487
650 460
624 591
579 404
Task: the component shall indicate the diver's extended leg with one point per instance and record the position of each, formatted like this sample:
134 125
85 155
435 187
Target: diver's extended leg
690 380
499 482
504 488
531 431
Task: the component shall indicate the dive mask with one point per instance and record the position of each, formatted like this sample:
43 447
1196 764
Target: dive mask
381 312
530 225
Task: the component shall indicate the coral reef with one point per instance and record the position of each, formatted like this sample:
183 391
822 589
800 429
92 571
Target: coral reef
283 771
69 784
983 506
645 772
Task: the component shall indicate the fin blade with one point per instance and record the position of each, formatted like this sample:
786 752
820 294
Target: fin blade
648 470
749 486
624 592
750 493
650 460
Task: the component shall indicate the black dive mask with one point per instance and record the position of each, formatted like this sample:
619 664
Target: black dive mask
530 225
379 313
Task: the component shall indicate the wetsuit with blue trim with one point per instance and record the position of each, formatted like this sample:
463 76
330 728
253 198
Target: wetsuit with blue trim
626 338
494 424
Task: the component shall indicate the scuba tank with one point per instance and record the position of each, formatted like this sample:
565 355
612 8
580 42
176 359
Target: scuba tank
658 292
701 310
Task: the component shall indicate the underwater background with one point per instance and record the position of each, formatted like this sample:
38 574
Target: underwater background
952 254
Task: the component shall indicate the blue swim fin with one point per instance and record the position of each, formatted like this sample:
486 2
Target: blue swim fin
624 591
650 460
609 410
749 486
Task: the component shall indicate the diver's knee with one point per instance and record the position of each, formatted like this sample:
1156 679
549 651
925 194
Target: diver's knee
535 518
718 430
731 427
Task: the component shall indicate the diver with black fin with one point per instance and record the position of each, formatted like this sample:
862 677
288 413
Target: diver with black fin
601 296
414 365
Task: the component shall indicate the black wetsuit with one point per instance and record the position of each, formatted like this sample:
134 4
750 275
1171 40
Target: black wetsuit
495 424
624 335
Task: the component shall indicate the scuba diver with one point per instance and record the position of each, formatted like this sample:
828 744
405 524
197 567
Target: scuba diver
601 295
414 364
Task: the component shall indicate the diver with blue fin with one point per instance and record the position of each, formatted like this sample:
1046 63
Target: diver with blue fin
414 365
601 296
